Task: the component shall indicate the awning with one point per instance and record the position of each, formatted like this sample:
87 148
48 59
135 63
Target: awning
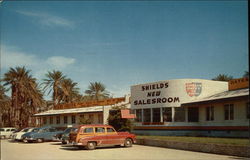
73 110
234 94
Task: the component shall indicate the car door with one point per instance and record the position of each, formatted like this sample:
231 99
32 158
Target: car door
112 136
50 133
85 132
101 136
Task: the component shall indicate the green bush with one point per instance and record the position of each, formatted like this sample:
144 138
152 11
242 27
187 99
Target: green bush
115 120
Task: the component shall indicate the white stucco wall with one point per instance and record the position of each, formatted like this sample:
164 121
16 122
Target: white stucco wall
240 118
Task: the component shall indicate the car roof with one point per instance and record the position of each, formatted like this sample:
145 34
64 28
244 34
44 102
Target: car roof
95 125
7 128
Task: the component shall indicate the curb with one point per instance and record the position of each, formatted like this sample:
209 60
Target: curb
241 151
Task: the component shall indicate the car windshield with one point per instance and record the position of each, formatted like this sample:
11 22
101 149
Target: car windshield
26 130
67 130
35 130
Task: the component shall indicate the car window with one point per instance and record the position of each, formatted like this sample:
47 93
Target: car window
67 130
110 130
99 130
26 130
52 129
8 130
13 129
44 130
35 130
88 130
1 130
74 130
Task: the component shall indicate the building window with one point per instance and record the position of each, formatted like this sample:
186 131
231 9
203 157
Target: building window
167 114
193 114
179 115
210 113
51 120
100 118
65 119
58 120
248 110
138 115
147 115
73 119
91 118
44 120
229 111
156 114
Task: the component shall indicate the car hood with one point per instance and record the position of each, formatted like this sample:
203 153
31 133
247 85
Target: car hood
29 134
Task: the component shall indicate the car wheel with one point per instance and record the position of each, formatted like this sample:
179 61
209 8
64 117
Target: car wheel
91 145
39 140
25 140
2 137
128 142
64 142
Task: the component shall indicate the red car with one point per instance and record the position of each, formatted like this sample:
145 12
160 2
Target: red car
91 136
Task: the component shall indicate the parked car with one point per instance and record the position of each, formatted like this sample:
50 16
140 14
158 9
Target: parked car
18 135
6 132
41 134
64 136
92 136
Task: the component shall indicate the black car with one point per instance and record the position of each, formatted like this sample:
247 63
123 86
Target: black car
64 136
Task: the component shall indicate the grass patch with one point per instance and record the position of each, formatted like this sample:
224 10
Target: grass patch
211 140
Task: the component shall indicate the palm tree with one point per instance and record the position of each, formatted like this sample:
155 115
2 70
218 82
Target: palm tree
54 80
68 91
24 94
223 77
97 91
246 74
5 105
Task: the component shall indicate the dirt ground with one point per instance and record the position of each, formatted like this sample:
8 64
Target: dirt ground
54 150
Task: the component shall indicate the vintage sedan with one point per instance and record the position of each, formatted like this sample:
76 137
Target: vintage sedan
41 134
17 136
6 132
92 136
65 134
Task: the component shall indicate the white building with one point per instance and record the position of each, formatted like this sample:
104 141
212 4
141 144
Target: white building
192 107
67 115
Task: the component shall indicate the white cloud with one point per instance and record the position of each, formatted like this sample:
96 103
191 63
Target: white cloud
48 19
60 62
13 57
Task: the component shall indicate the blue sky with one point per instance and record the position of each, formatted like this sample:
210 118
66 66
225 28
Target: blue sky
123 43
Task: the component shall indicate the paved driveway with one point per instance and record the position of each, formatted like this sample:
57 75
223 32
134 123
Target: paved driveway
56 151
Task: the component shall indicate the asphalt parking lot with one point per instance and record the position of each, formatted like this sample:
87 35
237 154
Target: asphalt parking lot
54 150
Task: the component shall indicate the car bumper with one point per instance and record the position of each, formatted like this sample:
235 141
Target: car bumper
74 144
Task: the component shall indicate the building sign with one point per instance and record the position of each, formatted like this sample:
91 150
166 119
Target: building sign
193 89
172 93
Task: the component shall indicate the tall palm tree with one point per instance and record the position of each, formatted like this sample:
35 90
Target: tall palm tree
97 91
223 77
24 92
53 82
68 91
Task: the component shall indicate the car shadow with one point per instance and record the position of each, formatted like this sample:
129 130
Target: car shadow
240 158
57 143
71 148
